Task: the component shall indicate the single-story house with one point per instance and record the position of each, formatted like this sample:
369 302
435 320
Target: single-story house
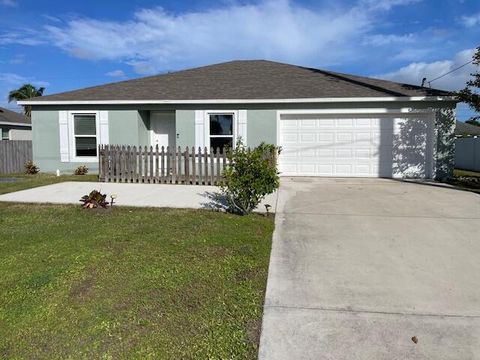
327 123
14 126
466 130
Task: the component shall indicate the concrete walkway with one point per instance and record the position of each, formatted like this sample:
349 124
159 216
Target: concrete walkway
360 267
150 195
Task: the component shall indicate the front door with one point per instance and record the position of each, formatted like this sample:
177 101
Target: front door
162 125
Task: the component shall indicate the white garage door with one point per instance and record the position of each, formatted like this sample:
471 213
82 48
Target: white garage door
361 146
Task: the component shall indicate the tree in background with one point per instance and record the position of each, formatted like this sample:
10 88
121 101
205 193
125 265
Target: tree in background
25 92
471 93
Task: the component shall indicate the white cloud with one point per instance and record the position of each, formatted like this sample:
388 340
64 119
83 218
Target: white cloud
29 38
381 39
17 59
386 4
116 73
416 71
155 40
471 20
11 3
11 78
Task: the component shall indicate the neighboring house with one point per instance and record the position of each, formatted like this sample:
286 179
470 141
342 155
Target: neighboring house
328 124
465 130
14 126
467 146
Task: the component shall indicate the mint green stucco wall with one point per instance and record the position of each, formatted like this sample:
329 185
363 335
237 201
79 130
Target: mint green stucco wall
123 127
46 143
261 127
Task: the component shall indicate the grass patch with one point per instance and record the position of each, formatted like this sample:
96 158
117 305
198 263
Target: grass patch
458 172
130 282
467 180
24 181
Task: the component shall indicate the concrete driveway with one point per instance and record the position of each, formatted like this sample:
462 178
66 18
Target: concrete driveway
360 267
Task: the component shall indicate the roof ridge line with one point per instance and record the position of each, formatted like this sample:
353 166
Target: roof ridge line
358 82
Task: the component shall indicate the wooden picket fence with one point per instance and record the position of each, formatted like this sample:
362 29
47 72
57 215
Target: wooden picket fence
162 165
13 155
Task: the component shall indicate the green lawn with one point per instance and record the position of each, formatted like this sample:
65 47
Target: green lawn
29 181
130 283
467 180
458 172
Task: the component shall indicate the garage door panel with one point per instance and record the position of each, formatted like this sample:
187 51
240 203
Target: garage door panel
325 169
344 137
308 124
326 123
341 123
343 169
363 169
366 137
355 146
289 138
344 154
307 152
364 154
307 168
326 137
307 138
325 153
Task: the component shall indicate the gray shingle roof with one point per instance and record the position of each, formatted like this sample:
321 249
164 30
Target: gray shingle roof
462 128
13 117
248 79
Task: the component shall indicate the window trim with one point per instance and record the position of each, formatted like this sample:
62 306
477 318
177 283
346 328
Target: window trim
234 114
72 136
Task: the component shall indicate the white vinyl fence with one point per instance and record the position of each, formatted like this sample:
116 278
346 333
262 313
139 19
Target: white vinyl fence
467 153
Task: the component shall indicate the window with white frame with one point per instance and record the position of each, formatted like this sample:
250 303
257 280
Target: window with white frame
85 135
221 133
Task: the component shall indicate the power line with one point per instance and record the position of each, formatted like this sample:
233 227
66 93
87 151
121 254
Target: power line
449 72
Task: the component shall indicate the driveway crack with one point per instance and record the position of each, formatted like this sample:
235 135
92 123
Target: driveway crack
352 311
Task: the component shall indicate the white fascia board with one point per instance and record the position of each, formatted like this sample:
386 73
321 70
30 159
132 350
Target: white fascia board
356 111
241 101
14 124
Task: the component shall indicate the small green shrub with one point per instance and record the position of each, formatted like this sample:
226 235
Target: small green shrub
31 168
94 200
249 176
81 170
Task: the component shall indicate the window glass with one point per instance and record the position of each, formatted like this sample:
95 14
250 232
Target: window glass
5 134
85 125
86 146
221 131
221 124
85 131
221 142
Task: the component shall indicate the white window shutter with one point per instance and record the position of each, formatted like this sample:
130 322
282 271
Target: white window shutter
103 115
63 130
242 126
199 129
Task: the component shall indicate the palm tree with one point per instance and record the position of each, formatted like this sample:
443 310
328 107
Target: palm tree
25 92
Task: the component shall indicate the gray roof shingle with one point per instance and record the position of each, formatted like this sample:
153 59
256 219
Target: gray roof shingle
245 79
462 128
13 117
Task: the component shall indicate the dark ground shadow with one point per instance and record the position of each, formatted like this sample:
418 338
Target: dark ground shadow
214 201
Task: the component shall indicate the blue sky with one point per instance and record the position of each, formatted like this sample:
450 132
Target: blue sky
65 45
